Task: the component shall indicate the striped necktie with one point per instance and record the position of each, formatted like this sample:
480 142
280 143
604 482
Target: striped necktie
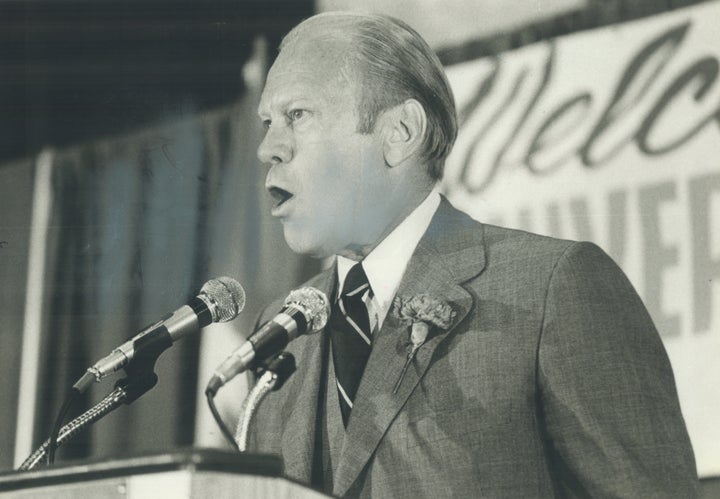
350 337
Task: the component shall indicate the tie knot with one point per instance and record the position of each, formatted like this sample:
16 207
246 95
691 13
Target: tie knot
356 282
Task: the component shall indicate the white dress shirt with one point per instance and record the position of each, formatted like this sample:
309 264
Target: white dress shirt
386 263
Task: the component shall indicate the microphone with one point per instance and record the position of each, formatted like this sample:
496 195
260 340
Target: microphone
306 310
219 300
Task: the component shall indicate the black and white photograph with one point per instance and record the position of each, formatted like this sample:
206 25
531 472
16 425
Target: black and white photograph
374 249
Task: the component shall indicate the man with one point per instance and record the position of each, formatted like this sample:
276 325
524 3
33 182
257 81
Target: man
547 377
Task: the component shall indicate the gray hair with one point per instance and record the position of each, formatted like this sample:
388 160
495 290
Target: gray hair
394 64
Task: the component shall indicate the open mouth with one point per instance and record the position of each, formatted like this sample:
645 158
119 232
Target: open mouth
281 196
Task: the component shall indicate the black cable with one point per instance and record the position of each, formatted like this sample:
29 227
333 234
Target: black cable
52 444
223 428
78 388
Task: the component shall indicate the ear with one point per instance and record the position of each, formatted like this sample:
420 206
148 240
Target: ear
405 126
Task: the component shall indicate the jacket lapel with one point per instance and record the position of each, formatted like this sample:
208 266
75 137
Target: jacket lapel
299 411
450 252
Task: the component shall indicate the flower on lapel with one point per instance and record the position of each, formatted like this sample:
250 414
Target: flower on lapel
423 308
421 312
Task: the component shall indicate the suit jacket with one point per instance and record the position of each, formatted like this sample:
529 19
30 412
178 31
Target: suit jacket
551 381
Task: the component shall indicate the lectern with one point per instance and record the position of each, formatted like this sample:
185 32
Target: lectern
188 473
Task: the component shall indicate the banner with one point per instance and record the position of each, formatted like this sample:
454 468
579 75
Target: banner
613 136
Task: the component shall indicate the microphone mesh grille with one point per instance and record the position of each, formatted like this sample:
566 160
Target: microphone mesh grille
225 298
313 304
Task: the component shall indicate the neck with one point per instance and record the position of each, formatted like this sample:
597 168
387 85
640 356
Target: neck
359 252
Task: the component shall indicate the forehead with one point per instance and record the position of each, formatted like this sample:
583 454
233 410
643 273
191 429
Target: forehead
315 71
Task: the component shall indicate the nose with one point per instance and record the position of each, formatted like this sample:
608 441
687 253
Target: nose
276 147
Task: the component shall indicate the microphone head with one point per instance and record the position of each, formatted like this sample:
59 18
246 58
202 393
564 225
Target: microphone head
225 298
313 304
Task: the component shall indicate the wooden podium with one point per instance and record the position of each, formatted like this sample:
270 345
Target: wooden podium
191 473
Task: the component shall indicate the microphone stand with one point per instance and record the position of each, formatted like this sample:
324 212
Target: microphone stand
100 410
126 391
141 377
276 373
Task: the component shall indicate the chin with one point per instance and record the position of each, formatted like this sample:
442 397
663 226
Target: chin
304 245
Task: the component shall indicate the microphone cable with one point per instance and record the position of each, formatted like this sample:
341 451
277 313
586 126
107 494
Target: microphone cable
218 419
272 374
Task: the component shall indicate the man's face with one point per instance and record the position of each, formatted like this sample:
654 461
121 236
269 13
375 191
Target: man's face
326 178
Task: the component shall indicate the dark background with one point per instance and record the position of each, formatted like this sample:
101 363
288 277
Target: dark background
74 70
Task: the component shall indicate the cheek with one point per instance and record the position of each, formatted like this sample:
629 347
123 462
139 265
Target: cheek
338 185
334 177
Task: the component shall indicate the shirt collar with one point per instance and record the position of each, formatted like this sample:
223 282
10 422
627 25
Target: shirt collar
386 263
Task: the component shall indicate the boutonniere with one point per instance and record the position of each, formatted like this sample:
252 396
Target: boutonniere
421 312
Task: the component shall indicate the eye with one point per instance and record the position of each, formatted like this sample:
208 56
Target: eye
296 115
